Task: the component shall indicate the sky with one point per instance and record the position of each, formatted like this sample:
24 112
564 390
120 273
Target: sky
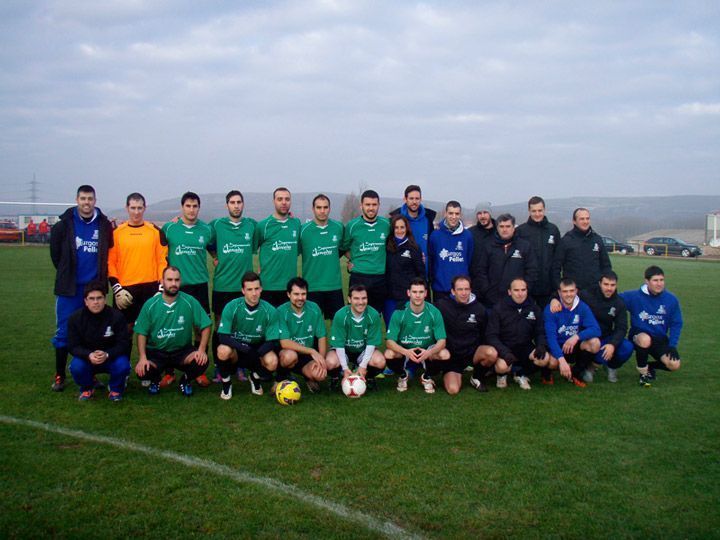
472 100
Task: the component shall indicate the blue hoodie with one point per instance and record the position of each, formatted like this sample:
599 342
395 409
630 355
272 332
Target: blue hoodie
654 314
561 326
449 254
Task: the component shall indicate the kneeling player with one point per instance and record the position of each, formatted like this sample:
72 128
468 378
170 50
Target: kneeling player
248 336
516 331
355 334
164 331
655 325
416 334
465 321
572 334
301 329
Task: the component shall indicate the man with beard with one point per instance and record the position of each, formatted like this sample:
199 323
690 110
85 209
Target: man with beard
164 331
544 238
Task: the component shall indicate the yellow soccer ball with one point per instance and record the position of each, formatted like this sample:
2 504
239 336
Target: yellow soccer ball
287 393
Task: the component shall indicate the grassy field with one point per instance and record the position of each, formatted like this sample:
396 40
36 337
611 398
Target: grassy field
611 460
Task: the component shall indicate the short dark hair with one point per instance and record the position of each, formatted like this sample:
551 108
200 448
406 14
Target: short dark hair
358 287
233 193
281 188
609 275
536 200
135 196
85 188
653 270
579 210
320 196
189 196
418 281
517 279
505 217
248 277
411 188
459 277
94 285
453 204
296 282
567 282
369 194
172 268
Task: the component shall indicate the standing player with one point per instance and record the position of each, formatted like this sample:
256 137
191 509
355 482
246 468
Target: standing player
421 219
320 241
515 329
544 238
581 255
233 245
164 331
188 241
136 260
416 334
303 341
655 325
276 238
99 341
364 247
450 250
248 336
465 321
79 245
355 336
572 334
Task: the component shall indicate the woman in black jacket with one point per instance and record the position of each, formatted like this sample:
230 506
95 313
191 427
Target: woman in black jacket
404 262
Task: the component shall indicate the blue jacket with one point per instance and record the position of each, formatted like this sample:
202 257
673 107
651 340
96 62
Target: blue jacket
449 253
654 314
561 326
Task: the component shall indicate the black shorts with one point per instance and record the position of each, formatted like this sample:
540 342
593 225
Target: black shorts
460 359
141 293
659 345
522 353
169 359
199 291
275 298
330 302
376 288
444 366
220 299
303 360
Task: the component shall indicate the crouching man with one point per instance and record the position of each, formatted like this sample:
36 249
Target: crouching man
164 331
99 342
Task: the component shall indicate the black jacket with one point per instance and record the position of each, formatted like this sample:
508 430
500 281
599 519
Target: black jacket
544 238
464 323
582 257
611 313
64 256
511 325
401 268
107 331
503 261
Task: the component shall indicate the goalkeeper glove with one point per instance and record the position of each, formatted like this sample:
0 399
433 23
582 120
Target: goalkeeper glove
123 299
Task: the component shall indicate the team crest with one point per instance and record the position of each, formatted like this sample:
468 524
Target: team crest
576 319
531 316
661 310
471 318
247 236
201 239
426 329
95 234
382 236
459 246
181 319
259 328
551 239
516 254
406 253
612 311
334 238
596 247
309 327
108 332
294 233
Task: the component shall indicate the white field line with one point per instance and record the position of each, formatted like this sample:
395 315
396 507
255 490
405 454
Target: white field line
384 527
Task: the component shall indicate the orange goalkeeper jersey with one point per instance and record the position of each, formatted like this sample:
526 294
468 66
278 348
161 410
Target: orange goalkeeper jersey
138 255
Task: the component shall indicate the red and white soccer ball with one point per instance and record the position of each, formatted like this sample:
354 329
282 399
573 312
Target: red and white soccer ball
354 386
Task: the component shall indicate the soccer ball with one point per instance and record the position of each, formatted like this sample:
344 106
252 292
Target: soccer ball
354 386
287 393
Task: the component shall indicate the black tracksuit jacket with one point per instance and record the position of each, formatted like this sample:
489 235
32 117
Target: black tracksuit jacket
582 257
544 238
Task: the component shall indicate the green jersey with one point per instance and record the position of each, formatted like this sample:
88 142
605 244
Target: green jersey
353 333
252 326
169 327
277 242
416 329
234 245
302 328
366 243
320 249
187 245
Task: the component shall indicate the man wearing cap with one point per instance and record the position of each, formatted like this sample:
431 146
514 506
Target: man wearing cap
481 232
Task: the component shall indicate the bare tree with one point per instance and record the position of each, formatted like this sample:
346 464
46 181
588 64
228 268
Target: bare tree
351 207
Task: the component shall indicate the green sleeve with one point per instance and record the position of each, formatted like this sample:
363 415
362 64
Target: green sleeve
338 336
393 332
226 319
201 318
257 236
142 323
272 330
345 244
282 328
320 330
374 336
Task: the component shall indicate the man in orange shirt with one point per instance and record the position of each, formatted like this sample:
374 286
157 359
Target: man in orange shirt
136 260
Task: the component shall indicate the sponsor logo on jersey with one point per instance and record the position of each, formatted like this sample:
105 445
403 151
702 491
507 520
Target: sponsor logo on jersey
86 246
451 256
568 331
370 246
280 245
168 333
182 249
234 248
321 251
516 254
653 320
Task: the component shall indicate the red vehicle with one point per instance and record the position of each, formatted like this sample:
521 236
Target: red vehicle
9 232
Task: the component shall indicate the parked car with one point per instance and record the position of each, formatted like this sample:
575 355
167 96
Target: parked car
9 232
665 245
613 246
